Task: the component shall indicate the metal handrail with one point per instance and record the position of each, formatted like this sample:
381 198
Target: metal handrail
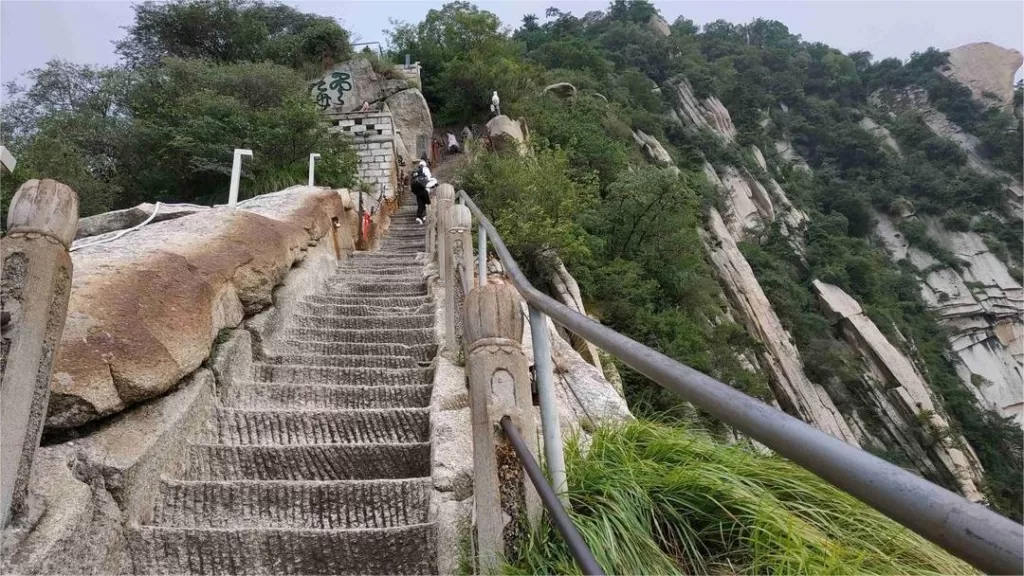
559 517
970 531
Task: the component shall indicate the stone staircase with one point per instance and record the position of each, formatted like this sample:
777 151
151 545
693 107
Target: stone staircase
321 463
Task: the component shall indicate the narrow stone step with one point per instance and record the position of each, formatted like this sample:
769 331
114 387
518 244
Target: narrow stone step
384 288
418 352
370 300
314 309
302 374
332 505
264 551
345 360
235 427
345 271
315 462
394 336
397 322
278 396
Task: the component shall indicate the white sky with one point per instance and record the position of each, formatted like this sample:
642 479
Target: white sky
83 31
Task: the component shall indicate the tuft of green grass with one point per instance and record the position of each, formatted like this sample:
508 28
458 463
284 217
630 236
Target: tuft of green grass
651 498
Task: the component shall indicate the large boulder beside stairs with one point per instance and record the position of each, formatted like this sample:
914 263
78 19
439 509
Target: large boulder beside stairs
146 308
412 121
505 133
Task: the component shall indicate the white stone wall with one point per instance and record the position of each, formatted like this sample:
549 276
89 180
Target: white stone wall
373 138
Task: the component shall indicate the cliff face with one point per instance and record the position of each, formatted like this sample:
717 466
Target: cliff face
986 69
981 303
903 396
906 417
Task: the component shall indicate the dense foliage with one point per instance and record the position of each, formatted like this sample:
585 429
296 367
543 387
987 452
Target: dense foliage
642 271
163 125
656 499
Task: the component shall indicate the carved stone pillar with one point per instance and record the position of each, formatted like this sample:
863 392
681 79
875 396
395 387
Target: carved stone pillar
34 290
445 198
460 243
499 385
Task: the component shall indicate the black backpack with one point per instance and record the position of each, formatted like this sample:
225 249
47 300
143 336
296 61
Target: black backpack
419 177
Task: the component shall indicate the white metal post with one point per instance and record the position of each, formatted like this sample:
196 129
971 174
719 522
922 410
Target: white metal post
481 258
548 403
312 161
236 174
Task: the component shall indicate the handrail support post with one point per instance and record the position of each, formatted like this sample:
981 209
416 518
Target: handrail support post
552 431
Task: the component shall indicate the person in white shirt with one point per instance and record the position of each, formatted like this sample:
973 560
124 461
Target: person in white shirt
495 104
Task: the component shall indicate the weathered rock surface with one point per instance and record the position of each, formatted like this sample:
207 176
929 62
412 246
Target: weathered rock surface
346 86
145 308
707 114
986 68
659 25
506 133
785 149
882 133
412 121
652 148
121 219
562 90
902 397
793 390
982 305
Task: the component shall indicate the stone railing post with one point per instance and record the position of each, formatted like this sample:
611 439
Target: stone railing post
34 291
460 247
445 198
499 385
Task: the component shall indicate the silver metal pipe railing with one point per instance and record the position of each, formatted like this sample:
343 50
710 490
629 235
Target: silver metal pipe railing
970 531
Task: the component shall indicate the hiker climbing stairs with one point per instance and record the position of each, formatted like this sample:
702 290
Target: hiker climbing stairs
321 463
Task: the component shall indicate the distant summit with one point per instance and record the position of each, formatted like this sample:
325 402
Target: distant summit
987 69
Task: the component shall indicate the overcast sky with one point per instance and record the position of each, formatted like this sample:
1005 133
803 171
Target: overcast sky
34 31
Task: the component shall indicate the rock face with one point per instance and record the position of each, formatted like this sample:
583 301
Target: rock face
506 133
659 25
882 133
981 304
791 387
902 398
986 69
121 219
708 114
785 149
412 121
146 308
562 90
345 87
652 148
916 99
750 206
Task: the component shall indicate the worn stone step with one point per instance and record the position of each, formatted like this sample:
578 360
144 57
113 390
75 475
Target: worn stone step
396 322
370 300
334 505
315 309
345 360
311 462
238 427
345 271
372 277
418 288
276 396
303 374
393 335
265 551
418 352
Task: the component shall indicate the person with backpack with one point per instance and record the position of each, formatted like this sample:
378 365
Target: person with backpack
421 183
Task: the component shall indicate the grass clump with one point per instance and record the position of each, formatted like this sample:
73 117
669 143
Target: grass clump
652 498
